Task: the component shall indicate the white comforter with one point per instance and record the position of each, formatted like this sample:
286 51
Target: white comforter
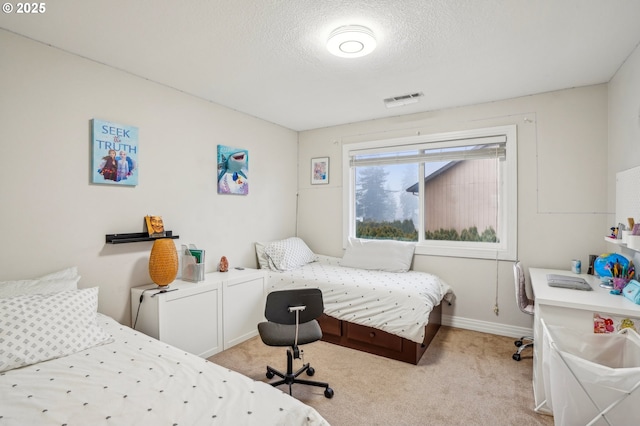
140 381
398 303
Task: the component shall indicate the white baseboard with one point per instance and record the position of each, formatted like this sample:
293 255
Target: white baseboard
486 326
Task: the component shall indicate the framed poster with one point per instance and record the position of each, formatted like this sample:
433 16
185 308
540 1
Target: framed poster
319 170
233 170
114 150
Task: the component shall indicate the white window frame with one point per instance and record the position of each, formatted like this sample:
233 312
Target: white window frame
506 249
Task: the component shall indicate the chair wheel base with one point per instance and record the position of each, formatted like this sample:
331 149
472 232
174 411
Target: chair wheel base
516 357
290 378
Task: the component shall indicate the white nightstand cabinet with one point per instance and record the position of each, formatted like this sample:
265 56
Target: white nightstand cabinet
206 317
243 299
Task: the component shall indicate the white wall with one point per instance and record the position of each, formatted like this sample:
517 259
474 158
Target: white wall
624 128
624 119
562 204
52 217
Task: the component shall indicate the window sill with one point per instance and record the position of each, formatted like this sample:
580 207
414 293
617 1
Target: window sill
466 252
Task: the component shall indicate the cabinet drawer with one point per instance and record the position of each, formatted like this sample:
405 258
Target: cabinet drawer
373 337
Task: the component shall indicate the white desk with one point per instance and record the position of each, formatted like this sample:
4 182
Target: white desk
573 309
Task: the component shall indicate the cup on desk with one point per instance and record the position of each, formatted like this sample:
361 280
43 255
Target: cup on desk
619 283
576 266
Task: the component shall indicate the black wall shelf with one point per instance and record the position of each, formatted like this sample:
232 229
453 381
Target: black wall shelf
135 237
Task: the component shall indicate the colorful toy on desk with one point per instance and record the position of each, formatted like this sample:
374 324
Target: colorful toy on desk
632 291
604 264
614 232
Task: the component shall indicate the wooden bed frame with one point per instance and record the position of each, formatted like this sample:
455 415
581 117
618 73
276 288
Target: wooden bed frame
379 342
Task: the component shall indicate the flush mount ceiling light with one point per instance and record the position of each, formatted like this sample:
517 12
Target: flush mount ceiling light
351 41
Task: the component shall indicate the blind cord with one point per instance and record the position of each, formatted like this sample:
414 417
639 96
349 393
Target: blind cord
496 309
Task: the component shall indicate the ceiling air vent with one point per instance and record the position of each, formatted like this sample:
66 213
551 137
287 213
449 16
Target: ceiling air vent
403 100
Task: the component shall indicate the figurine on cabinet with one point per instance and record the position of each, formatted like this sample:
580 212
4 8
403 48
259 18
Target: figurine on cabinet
224 264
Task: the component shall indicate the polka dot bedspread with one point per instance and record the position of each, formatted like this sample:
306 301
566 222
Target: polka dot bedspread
396 302
137 380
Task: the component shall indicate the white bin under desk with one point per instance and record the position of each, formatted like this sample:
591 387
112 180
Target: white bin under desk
591 379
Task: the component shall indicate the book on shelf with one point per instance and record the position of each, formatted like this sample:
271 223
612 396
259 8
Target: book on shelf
155 226
198 254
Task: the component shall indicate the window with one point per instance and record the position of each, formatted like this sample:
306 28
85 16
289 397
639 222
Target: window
455 194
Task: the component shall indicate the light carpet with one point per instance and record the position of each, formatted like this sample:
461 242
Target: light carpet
464 378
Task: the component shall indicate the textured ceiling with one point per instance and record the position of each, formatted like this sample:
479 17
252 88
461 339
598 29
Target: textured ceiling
267 58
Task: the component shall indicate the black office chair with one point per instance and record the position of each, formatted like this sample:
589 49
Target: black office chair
526 305
291 321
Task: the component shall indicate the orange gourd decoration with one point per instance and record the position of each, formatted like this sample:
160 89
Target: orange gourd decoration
163 262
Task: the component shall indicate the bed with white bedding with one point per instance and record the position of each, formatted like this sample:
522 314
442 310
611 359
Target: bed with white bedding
398 303
61 363
394 312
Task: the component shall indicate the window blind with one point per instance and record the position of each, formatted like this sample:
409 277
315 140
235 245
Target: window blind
469 149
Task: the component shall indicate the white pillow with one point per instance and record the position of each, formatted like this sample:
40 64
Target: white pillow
66 279
25 287
288 254
64 274
39 327
263 260
379 255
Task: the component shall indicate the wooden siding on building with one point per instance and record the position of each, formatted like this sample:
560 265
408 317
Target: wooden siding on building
462 196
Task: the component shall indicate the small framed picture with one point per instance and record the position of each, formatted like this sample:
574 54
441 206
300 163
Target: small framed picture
319 170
